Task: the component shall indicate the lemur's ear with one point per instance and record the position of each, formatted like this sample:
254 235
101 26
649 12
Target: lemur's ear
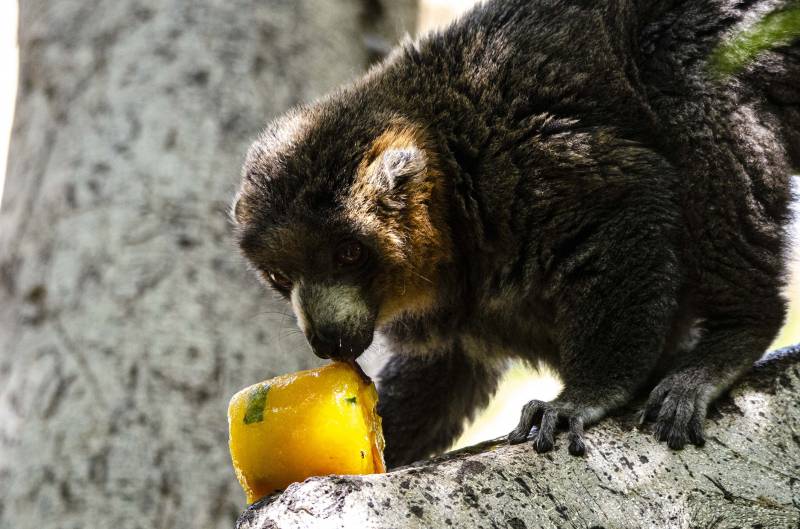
237 213
399 166
240 211
394 169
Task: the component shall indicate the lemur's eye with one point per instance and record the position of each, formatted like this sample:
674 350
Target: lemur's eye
280 280
349 253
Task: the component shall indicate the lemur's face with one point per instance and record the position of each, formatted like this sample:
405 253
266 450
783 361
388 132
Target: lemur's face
344 224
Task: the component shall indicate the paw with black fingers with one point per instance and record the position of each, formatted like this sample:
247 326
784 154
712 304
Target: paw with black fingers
545 417
678 406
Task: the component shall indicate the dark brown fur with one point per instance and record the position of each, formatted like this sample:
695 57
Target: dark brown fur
562 181
411 229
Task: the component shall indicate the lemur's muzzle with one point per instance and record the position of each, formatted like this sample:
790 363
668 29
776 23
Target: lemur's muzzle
327 342
336 319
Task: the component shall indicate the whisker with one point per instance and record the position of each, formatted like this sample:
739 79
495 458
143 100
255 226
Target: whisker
421 276
268 313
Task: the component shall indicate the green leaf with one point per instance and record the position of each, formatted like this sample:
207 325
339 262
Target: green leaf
256 401
778 28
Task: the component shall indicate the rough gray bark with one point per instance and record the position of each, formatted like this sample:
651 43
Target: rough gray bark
747 476
126 317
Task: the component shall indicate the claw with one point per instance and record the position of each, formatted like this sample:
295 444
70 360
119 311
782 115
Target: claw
678 413
544 438
696 435
530 413
516 437
652 407
576 445
548 415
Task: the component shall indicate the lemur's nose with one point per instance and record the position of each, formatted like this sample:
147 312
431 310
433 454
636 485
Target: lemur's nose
329 342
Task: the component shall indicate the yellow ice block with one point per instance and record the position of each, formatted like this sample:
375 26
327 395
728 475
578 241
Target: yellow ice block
310 423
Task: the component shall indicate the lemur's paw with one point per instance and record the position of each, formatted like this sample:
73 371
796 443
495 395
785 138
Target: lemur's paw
546 416
678 407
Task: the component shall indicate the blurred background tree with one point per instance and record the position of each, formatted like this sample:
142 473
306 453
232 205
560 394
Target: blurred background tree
126 317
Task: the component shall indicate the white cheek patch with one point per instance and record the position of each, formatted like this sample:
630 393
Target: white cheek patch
302 321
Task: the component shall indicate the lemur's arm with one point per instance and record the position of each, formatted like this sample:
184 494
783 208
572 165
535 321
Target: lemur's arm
614 296
425 400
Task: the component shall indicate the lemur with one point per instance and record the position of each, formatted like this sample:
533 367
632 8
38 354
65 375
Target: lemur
558 181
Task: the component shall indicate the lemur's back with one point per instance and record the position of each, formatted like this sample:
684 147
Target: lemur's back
637 69
697 92
519 57
733 130
655 77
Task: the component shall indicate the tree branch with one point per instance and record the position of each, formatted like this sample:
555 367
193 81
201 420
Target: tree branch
747 475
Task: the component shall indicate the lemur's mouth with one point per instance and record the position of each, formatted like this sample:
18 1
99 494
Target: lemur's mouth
337 346
355 365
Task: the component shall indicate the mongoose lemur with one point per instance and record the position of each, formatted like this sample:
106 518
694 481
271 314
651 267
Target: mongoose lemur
562 181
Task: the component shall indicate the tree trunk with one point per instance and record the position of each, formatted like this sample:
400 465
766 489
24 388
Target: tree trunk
747 476
127 319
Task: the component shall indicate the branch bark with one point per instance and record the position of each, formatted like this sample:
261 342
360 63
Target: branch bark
747 475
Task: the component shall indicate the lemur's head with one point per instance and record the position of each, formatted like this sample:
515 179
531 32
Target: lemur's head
341 213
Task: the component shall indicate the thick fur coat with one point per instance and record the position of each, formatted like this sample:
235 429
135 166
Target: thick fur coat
565 181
